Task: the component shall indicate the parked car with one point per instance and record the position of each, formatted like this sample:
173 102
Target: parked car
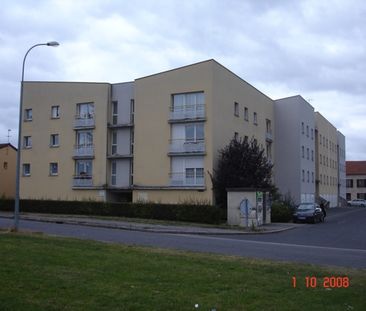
308 212
357 202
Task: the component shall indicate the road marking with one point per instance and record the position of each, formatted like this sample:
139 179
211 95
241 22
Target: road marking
275 243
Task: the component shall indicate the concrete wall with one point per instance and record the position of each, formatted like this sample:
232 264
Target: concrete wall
341 166
327 159
295 148
8 156
153 99
228 89
40 96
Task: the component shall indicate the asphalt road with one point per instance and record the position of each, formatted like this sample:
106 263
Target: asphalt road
340 241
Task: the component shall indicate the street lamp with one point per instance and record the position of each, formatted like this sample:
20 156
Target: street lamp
17 181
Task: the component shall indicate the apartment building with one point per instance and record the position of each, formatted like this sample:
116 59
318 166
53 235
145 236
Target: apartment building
342 197
327 161
154 139
356 180
183 117
64 141
8 154
295 169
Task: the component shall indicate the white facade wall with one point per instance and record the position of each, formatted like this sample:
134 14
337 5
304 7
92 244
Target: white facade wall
295 149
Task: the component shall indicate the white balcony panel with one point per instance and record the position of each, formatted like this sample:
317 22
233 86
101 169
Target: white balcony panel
84 151
187 112
88 121
83 181
182 180
183 146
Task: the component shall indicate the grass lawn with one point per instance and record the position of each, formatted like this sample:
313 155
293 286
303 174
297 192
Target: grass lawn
48 273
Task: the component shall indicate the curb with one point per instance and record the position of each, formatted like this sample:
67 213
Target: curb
148 229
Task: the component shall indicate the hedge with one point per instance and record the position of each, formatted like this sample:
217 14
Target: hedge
281 212
178 212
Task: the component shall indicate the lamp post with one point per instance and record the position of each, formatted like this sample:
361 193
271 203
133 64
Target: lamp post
17 181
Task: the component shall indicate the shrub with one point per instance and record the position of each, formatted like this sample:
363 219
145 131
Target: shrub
203 213
281 212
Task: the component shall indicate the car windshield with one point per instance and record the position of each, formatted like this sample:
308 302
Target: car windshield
305 207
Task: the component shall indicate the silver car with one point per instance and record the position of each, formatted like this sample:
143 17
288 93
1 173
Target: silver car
357 202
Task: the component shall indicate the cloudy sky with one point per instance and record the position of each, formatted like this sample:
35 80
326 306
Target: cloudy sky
283 47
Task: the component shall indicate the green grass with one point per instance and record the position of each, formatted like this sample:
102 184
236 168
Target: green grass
47 273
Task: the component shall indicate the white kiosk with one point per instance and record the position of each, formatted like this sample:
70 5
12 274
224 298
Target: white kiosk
248 207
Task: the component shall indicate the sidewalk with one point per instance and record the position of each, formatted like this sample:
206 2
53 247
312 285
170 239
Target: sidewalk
149 227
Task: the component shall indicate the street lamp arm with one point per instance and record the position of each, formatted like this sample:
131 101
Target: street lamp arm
51 43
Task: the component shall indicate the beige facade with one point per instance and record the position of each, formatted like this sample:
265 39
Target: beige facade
356 180
8 155
327 160
64 139
154 139
169 166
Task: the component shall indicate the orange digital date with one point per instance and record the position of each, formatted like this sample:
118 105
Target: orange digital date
325 282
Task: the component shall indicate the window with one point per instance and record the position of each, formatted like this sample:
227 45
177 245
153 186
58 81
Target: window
84 168
27 142
361 196
303 175
361 183
194 176
5 165
312 134
307 131
302 128
308 176
312 177
84 138
114 112
55 112
308 153
255 118
194 132
54 169
85 110
28 114
114 173
187 105
303 152
236 109
132 110
268 126
54 140
236 136
312 155
26 169
269 151
114 143
320 140
246 114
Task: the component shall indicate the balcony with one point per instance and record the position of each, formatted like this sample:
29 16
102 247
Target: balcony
82 181
182 179
186 146
187 113
269 136
84 121
84 151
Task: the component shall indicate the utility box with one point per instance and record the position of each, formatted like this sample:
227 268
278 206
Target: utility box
247 207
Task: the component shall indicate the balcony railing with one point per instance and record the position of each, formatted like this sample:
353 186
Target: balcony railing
84 150
269 136
84 121
82 181
187 112
181 179
186 146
